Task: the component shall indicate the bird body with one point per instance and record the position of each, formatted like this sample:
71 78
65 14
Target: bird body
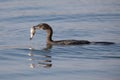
49 40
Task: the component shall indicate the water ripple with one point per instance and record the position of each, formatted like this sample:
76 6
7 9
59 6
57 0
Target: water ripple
72 18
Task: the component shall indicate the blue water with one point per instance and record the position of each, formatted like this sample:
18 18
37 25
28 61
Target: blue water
93 20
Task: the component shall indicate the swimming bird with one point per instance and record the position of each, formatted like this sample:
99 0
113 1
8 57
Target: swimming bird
50 41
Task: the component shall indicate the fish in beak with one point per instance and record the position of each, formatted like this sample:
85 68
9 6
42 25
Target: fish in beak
32 32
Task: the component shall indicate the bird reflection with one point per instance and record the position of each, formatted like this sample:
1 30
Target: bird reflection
39 60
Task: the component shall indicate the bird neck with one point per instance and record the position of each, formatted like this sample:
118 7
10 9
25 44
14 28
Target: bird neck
49 35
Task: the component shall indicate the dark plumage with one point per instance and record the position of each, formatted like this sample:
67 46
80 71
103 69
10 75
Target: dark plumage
49 40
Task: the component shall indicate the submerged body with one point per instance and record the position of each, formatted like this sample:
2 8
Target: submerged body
71 42
49 40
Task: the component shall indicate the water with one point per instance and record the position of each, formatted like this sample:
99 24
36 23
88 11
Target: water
93 20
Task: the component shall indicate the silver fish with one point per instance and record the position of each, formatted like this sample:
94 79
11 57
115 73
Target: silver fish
32 32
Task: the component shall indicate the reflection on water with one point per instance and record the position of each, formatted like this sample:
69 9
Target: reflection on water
39 60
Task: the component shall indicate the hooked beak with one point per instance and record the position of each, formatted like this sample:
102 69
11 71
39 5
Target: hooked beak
32 32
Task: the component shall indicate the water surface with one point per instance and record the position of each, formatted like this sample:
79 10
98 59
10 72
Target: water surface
92 20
